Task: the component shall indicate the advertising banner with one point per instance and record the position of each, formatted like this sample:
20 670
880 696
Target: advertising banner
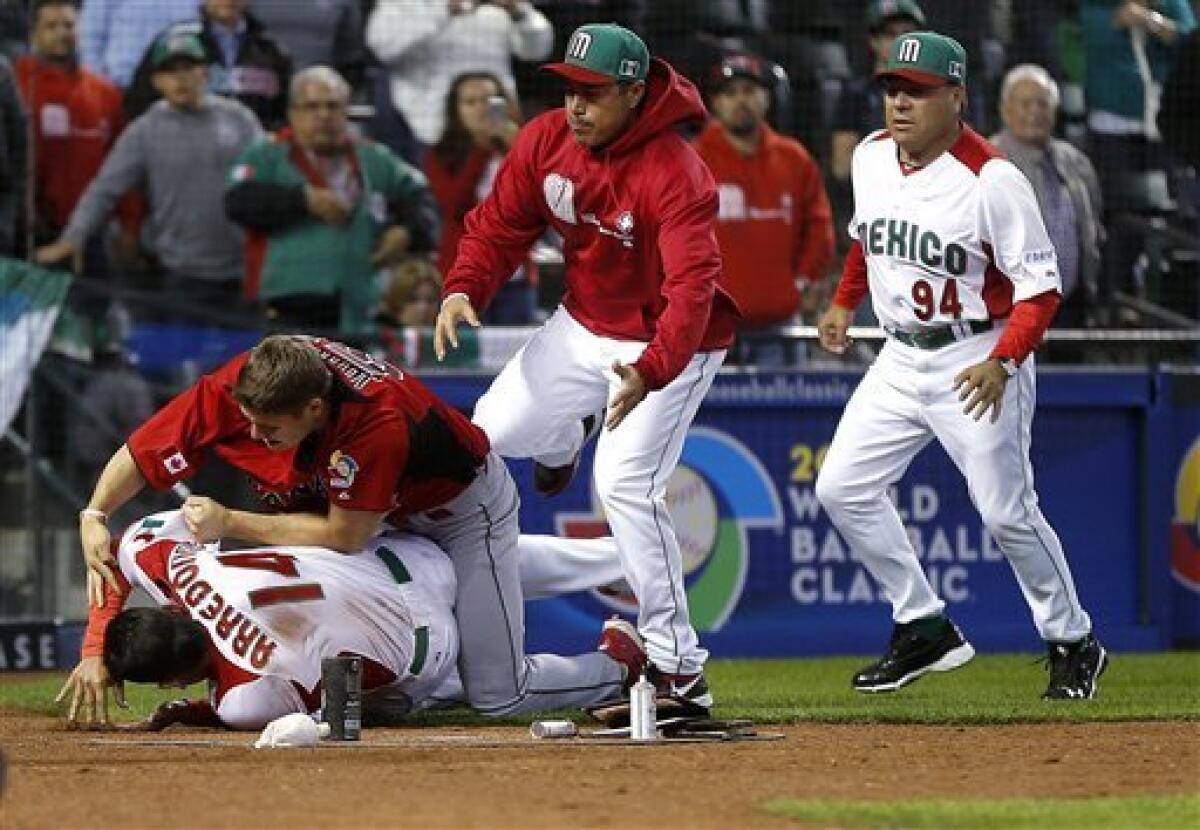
767 575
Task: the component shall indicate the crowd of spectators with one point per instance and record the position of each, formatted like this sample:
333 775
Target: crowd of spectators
221 152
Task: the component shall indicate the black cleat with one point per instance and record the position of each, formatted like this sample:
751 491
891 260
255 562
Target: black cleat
689 692
550 481
1075 669
917 648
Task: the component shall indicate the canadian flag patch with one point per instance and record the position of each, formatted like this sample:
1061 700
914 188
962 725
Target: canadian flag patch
175 463
243 172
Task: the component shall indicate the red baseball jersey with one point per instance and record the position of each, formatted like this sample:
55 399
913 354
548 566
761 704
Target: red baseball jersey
390 446
637 221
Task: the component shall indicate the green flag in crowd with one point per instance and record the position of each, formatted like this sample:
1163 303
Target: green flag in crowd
30 299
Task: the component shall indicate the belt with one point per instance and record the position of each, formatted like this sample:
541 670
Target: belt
930 339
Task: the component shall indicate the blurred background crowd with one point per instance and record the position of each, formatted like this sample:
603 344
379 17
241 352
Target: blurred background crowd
213 169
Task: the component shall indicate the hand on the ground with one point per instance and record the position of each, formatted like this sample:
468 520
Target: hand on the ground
326 205
56 252
393 244
206 518
96 541
831 329
631 392
982 387
89 685
455 309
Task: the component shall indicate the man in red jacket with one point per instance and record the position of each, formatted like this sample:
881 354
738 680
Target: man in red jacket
643 326
775 226
76 116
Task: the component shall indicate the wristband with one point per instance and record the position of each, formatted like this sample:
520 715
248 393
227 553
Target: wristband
93 513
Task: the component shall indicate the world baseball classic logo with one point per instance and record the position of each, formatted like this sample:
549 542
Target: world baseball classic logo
1185 529
719 491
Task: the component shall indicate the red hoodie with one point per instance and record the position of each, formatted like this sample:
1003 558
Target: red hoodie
637 218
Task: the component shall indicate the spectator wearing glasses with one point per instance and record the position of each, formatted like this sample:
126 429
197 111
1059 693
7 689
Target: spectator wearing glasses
325 211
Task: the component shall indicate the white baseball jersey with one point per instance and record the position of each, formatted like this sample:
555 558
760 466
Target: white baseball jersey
962 240
272 614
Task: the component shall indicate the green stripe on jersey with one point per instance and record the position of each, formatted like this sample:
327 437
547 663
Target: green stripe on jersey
399 572
420 651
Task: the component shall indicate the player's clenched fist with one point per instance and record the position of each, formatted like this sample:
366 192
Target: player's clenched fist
206 518
455 309
832 327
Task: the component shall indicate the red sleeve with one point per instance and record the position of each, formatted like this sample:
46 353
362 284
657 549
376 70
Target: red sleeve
853 285
500 230
815 244
99 618
1026 326
171 445
365 468
691 263
455 192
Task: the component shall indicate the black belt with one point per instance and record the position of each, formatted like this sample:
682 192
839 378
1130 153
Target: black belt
930 339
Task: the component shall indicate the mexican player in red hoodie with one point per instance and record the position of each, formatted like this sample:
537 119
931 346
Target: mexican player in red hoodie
642 328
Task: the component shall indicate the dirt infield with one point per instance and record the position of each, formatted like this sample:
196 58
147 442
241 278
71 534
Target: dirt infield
498 777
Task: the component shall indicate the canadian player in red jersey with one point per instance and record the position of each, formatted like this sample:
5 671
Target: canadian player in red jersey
337 443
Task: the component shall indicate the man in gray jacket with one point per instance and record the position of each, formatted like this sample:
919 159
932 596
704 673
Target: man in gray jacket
1065 182
179 151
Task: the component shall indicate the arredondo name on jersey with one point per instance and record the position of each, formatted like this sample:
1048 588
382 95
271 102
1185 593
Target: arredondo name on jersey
902 239
226 623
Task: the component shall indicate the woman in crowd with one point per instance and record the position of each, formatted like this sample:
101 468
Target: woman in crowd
480 126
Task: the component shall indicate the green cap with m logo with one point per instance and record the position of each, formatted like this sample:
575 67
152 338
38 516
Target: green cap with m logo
928 59
603 53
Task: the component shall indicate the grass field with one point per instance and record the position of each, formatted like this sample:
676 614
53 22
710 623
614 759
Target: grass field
992 689
1143 813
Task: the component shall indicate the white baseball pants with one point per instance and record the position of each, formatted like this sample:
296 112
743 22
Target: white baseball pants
534 409
906 399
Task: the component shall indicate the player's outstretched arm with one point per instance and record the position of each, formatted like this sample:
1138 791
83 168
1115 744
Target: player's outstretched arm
120 482
346 531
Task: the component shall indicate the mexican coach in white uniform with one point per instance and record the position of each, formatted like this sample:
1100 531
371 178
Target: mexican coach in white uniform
964 279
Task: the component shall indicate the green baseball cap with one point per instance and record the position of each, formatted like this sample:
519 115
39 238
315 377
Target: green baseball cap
928 59
176 46
879 12
601 53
